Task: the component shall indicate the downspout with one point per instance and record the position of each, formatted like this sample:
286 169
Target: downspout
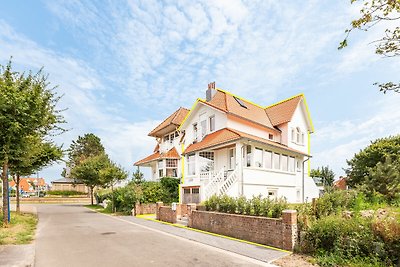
302 190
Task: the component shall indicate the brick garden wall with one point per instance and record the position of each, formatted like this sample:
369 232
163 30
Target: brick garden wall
280 233
166 214
141 209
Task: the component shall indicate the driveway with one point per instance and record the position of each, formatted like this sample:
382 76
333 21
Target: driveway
71 235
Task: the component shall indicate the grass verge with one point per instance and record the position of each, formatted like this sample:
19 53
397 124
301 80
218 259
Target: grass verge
100 209
21 229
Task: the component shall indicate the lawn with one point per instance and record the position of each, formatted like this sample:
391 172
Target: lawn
21 229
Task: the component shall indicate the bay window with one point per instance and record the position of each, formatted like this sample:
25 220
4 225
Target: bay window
284 160
248 156
258 157
172 167
268 159
191 161
277 163
160 168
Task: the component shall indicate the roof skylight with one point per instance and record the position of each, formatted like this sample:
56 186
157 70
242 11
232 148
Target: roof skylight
241 103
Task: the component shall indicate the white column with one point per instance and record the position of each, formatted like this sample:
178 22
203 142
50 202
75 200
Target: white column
239 167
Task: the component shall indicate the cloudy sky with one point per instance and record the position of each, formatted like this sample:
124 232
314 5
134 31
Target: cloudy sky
124 66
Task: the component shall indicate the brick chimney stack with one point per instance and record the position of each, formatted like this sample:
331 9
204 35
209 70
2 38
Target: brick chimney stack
211 91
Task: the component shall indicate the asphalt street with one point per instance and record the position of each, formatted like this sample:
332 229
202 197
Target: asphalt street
72 235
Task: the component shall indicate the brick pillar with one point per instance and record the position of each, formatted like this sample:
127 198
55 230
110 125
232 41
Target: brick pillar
289 229
158 205
190 208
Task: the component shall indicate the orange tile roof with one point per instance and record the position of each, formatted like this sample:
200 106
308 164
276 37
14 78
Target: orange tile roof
227 135
171 154
226 102
175 118
26 183
216 138
283 111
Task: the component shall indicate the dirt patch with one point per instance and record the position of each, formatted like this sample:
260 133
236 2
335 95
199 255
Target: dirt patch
296 260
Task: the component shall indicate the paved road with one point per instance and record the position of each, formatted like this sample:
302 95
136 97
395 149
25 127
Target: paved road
71 235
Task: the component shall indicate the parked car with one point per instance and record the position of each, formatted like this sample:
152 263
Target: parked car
25 194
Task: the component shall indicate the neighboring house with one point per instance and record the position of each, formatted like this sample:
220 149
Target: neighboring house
68 184
228 145
30 185
341 183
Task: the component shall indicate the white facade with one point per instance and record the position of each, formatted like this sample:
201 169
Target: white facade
254 174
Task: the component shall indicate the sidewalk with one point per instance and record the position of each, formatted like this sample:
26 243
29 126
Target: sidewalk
19 255
258 252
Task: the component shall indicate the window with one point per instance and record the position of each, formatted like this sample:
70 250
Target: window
268 159
302 138
293 135
231 159
176 134
298 165
272 193
166 138
212 123
191 164
291 164
203 125
240 102
186 190
171 139
298 196
172 165
195 132
284 160
258 157
196 190
298 132
248 156
277 163
160 168
206 161
270 136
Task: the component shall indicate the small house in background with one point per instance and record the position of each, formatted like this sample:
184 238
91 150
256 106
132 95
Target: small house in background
68 184
30 185
341 183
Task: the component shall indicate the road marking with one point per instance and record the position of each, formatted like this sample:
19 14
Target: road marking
242 257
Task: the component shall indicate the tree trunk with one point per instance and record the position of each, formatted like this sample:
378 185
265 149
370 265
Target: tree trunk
17 192
112 194
91 194
5 192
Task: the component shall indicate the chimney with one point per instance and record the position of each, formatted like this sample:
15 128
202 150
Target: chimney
210 91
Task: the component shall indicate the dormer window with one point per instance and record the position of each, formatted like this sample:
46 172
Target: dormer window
212 123
195 132
298 134
270 136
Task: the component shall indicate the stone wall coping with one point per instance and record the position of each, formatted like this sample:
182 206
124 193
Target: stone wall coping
239 215
289 211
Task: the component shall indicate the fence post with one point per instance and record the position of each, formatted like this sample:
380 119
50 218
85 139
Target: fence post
158 206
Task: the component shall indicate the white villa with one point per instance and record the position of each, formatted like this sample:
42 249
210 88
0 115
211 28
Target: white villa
228 145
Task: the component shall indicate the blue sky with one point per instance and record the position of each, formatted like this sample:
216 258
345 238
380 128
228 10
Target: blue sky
124 66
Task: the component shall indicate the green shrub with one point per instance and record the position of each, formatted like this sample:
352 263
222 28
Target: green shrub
65 193
278 206
170 187
241 204
256 205
212 203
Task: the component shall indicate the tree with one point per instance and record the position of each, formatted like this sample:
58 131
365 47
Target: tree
84 147
372 13
32 155
360 165
110 175
137 176
327 175
27 106
89 171
384 178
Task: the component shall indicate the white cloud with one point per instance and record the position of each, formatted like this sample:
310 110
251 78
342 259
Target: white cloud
337 141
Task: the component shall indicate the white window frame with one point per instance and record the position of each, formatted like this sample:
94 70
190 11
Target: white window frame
191 163
211 121
258 163
195 130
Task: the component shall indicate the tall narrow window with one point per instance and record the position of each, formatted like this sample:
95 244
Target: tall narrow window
284 160
203 125
171 166
291 164
293 135
248 156
166 138
191 164
302 138
212 123
195 132
277 162
258 157
268 159
298 132
231 159
160 168
171 138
